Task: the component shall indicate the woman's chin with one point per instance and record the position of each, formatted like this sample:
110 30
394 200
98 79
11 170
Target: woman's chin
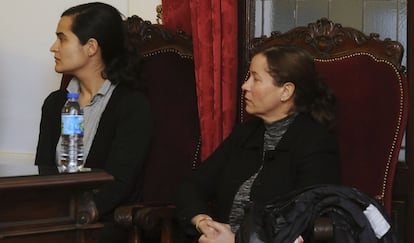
58 70
251 112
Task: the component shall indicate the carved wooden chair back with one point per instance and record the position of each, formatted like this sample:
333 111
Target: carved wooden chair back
168 70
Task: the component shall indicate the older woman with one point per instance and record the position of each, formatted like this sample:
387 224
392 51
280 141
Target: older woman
288 148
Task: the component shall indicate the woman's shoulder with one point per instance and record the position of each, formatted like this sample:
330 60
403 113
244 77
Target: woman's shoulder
305 129
306 124
126 94
124 98
248 132
56 97
57 94
247 126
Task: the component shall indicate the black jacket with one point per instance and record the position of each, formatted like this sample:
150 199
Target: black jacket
119 147
306 155
283 219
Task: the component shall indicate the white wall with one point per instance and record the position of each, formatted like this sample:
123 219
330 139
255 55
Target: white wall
27 74
146 9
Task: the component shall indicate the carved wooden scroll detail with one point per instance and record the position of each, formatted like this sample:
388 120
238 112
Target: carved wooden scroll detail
147 37
325 39
87 212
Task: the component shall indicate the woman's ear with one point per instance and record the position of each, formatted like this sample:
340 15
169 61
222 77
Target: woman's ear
92 47
288 91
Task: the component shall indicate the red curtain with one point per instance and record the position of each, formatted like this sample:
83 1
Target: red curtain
176 15
214 32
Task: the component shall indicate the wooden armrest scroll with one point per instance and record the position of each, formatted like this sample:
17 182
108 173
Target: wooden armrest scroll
148 218
87 212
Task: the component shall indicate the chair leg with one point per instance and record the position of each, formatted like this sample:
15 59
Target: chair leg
166 232
134 235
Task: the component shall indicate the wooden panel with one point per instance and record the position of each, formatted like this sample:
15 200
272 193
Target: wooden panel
49 208
27 203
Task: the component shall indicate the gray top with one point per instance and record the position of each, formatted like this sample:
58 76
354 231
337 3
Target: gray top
91 112
273 133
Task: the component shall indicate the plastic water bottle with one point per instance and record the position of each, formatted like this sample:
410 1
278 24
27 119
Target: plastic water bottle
71 156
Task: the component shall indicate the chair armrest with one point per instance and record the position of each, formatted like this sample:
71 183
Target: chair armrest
146 217
87 212
155 220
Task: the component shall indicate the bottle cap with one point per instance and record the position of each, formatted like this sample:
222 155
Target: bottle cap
73 95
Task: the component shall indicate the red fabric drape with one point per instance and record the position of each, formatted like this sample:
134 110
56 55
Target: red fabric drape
214 33
176 15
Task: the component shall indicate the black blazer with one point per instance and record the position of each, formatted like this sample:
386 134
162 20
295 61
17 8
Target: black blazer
119 147
306 155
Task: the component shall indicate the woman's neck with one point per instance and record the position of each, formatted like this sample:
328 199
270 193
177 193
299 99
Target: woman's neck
88 87
280 118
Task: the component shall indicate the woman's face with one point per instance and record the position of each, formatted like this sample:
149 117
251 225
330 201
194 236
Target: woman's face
70 55
263 98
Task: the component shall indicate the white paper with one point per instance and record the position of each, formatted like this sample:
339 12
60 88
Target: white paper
377 221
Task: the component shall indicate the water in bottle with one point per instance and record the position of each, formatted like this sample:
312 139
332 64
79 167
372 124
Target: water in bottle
71 156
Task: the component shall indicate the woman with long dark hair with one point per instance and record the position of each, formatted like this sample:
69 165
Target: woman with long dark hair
290 147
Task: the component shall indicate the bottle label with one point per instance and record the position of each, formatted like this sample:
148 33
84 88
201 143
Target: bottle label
72 124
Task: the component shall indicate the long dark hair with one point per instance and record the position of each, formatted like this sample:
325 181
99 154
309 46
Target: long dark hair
104 23
312 95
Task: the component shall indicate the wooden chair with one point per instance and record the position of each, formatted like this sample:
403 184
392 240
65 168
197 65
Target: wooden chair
168 69
370 85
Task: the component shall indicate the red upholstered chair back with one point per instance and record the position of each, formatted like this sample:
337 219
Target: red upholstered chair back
168 72
366 76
